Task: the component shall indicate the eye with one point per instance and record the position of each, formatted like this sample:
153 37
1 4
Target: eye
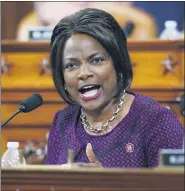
97 60
70 66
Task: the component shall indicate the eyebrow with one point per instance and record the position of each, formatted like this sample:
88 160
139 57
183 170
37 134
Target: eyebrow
93 55
88 58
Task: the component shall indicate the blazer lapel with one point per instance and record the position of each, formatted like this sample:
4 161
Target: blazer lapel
71 117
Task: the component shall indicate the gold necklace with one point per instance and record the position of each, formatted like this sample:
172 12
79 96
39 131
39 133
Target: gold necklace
101 128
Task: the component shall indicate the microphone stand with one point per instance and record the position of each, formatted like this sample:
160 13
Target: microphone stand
11 117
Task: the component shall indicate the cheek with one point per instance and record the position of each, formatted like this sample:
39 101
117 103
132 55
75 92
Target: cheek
69 79
111 76
70 82
113 80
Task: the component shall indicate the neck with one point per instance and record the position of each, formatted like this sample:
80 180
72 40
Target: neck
99 117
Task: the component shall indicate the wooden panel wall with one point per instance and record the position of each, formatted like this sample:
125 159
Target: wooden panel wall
25 61
11 14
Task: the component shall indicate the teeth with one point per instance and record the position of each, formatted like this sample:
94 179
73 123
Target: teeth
87 87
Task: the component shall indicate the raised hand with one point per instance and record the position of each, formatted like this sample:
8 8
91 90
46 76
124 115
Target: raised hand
90 155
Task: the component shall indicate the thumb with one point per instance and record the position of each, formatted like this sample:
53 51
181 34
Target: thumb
90 154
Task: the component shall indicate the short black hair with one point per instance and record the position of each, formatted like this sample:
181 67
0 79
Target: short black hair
101 26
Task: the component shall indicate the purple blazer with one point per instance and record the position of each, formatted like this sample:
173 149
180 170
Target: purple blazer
134 143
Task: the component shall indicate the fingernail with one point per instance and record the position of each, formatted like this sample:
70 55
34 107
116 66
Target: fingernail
89 145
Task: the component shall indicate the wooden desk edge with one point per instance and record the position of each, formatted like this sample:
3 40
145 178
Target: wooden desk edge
74 168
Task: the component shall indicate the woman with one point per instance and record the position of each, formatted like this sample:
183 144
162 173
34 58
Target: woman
104 122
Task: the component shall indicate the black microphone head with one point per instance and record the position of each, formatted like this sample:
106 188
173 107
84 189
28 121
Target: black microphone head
31 103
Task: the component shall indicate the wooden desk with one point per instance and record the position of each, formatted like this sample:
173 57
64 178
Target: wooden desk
26 72
54 178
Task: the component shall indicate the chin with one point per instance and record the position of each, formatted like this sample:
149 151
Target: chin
93 105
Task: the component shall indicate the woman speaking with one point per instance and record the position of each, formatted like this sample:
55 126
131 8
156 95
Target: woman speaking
105 123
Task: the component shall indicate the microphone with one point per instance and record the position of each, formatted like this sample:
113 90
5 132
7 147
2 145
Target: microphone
128 29
31 103
27 105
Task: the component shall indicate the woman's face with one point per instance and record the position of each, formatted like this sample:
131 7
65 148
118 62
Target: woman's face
89 74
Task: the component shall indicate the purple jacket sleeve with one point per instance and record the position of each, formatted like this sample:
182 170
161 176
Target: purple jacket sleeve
166 132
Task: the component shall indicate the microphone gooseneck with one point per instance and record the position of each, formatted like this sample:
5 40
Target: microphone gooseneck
27 105
17 112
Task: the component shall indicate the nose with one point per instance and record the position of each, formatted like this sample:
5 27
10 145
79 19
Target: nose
85 72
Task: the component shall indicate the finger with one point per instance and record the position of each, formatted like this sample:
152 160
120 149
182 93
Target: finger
90 154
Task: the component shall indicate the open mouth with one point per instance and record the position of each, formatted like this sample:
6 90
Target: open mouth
89 92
